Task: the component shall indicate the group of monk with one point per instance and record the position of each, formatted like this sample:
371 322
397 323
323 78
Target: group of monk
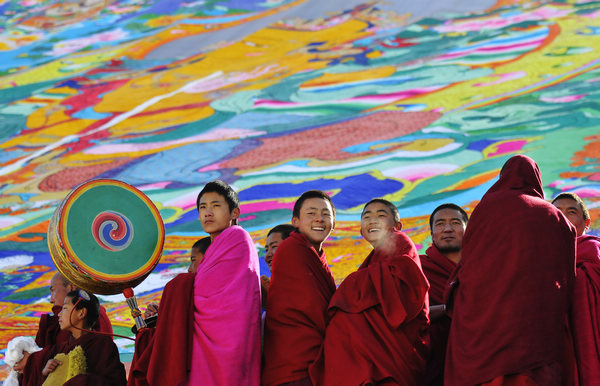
510 296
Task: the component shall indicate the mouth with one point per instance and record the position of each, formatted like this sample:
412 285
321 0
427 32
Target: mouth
374 230
318 229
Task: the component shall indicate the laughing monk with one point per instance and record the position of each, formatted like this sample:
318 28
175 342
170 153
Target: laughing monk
379 314
300 290
585 312
513 287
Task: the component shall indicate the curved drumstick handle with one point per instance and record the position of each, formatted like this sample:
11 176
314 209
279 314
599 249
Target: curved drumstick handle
136 313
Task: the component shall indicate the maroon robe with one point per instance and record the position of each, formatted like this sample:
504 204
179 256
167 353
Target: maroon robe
49 332
437 269
513 286
378 321
163 354
296 314
102 360
585 314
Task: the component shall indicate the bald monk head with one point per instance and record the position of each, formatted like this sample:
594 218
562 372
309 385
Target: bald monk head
574 209
59 288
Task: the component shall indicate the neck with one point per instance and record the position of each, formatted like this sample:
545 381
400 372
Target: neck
317 247
77 333
453 256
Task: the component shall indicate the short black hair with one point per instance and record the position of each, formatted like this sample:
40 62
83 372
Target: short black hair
577 199
387 203
202 244
88 301
311 194
448 205
283 229
222 188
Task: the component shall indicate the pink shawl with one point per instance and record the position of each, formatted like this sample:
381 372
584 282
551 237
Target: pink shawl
226 341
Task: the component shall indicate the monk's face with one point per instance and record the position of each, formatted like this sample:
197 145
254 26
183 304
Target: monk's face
573 211
195 258
377 223
448 230
271 245
315 220
64 314
214 213
58 290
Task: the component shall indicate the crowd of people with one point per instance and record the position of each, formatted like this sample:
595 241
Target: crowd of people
509 296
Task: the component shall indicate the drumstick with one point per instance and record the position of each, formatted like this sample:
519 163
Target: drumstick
136 313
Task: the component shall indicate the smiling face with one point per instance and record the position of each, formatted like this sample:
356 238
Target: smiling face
573 211
271 245
377 223
316 221
214 213
447 230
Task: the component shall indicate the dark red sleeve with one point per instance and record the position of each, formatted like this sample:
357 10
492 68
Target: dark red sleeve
585 322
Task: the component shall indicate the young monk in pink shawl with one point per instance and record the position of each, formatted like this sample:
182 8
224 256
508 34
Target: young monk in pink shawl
226 337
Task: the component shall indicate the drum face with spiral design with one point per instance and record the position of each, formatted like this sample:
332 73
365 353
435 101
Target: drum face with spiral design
106 236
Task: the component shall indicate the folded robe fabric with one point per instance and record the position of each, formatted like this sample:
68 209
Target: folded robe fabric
585 314
514 283
163 354
101 356
226 339
437 269
296 316
49 332
378 321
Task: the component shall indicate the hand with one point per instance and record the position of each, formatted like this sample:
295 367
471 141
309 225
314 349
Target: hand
151 310
265 282
51 365
20 365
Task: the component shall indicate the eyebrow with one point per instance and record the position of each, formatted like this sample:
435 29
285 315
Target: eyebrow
211 202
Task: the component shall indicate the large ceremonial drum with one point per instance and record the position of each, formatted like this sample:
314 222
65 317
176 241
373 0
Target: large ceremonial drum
106 236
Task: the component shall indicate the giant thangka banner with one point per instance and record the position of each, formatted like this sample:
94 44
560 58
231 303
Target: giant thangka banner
361 100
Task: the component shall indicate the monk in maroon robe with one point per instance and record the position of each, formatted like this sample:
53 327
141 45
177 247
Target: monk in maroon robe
163 354
379 314
512 290
447 225
103 366
49 332
585 312
299 293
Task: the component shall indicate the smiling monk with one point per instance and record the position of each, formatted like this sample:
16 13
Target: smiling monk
379 314
300 290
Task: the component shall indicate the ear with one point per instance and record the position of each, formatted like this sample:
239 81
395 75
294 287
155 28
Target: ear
235 213
333 225
295 222
587 223
82 313
398 226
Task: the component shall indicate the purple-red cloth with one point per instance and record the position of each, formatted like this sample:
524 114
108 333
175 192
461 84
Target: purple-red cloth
378 321
102 360
437 269
585 314
514 284
163 354
226 339
49 332
296 317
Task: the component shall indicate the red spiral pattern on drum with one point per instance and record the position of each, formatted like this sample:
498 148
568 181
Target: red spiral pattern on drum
112 230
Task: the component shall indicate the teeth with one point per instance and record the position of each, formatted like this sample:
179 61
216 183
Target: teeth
318 229
374 230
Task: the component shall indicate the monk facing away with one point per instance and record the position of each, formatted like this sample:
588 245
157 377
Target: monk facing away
513 287
379 314
585 312
447 224
299 293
